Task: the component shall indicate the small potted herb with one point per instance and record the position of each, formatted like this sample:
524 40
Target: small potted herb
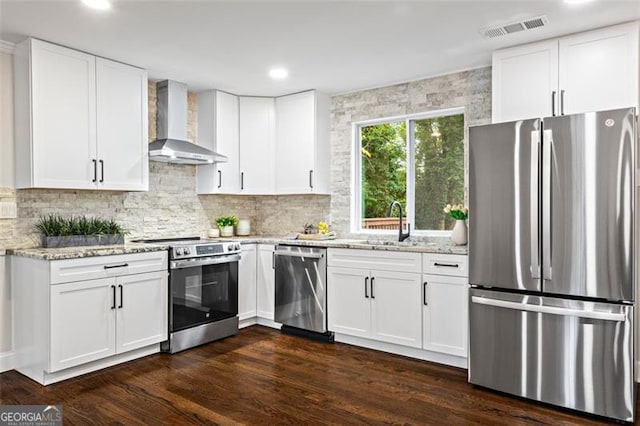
58 231
226 224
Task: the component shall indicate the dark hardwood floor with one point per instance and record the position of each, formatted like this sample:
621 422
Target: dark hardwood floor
263 377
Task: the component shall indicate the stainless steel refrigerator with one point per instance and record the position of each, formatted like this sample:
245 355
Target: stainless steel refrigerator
552 260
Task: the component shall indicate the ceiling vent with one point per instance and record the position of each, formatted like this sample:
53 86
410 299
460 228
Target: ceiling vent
514 27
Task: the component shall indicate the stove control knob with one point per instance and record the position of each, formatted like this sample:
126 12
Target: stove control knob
179 251
238 246
187 250
230 247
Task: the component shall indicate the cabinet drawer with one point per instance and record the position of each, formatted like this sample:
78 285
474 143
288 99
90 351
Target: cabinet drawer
445 264
394 261
89 268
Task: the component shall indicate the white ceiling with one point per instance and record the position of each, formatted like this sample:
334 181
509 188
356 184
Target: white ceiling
333 46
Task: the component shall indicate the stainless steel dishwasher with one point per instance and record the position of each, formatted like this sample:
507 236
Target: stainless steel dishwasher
301 291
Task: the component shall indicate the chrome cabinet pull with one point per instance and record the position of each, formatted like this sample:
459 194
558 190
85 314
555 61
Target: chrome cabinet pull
553 103
219 178
311 179
562 102
366 291
242 180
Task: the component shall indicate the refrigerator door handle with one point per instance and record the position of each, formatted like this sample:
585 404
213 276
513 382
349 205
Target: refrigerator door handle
535 204
547 148
605 316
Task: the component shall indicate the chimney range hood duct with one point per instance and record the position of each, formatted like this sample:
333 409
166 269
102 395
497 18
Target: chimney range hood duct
172 145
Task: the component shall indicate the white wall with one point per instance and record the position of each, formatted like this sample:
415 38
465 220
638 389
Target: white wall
6 120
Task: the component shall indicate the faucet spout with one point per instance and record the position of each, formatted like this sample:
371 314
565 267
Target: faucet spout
401 236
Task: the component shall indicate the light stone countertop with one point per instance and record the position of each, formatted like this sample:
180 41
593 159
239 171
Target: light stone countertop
77 252
435 245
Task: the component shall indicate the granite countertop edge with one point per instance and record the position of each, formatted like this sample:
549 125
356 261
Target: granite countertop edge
89 251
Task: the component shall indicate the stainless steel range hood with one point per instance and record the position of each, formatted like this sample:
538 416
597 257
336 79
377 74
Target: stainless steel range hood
172 145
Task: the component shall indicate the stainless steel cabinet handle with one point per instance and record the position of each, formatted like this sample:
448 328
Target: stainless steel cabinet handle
95 170
424 294
606 316
113 304
372 281
366 284
534 204
121 297
101 171
547 152
562 102
241 180
122 265
219 178
311 179
446 265
553 103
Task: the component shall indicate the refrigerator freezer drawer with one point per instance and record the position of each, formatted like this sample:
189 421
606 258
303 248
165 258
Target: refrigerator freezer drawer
571 353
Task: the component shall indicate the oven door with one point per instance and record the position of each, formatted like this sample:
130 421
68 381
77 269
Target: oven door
202 290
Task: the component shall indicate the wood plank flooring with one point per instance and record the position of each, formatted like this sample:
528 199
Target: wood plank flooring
262 377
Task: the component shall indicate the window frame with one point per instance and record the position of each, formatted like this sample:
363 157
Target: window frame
356 174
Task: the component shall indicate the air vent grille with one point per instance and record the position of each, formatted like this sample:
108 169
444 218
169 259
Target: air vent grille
514 27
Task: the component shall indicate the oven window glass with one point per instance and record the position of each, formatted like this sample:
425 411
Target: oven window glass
203 294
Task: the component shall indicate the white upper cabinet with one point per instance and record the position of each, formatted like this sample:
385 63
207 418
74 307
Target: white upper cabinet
302 143
599 70
590 71
524 80
122 125
218 130
70 108
257 140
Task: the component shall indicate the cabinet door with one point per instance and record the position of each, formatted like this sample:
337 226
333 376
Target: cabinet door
63 90
142 312
218 130
395 307
295 143
122 126
524 79
247 273
599 69
82 322
266 282
257 145
445 314
348 301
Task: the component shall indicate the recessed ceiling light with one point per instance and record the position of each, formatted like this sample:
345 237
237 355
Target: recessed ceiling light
278 73
97 4
577 1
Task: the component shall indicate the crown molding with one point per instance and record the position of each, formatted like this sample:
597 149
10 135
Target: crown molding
7 47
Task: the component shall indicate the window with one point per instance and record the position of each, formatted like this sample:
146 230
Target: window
417 160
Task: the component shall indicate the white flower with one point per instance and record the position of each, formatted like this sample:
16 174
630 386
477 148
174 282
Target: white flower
447 209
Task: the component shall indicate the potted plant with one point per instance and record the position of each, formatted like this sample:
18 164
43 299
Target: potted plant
226 224
57 231
460 213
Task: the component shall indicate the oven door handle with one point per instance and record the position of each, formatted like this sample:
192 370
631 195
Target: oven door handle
182 264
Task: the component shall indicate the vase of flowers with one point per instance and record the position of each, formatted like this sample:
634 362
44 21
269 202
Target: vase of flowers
459 232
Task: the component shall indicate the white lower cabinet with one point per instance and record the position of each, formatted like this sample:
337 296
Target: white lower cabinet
374 304
247 282
445 303
266 285
79 315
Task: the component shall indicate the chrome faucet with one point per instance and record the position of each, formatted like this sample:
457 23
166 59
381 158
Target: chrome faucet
401 236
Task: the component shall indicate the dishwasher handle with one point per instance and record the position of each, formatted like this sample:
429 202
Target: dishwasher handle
298 254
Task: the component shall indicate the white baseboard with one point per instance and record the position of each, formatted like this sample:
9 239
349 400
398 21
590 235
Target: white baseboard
452 360
247 322
7 361
268 323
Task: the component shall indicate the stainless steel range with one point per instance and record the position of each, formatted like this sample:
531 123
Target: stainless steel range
203 291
